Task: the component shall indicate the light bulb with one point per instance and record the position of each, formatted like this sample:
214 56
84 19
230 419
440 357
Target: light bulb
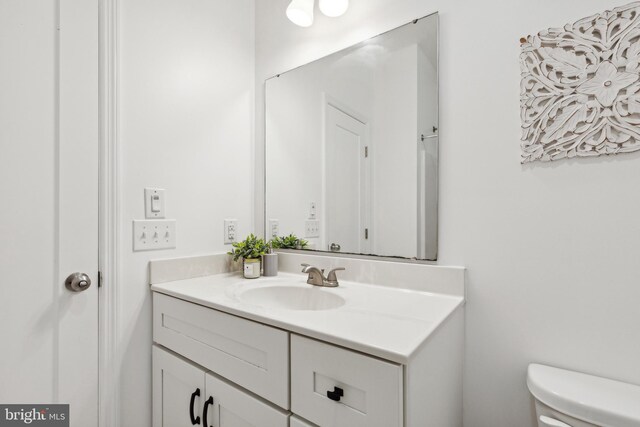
334 8
300 12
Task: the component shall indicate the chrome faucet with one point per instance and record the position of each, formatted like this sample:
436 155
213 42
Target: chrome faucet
316 276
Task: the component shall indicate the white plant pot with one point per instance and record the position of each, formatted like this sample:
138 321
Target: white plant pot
251 268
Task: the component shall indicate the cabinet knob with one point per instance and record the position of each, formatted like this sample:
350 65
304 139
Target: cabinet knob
336 394
194 420
205 413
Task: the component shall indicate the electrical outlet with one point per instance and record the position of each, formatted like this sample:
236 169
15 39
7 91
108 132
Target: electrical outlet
230 231
154 234
274 227
312 228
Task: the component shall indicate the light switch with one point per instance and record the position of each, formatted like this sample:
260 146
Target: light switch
154 203
312 228
150 235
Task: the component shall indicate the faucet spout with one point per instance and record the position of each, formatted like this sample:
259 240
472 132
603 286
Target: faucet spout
316 276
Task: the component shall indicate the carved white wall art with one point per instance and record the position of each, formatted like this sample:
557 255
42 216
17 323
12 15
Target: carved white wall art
580 89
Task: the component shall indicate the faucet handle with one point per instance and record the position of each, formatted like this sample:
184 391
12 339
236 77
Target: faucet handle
331 277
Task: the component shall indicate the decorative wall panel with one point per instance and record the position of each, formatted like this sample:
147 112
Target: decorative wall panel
580 89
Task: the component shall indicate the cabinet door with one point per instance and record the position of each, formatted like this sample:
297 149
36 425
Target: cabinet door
178 391
298 422
228 406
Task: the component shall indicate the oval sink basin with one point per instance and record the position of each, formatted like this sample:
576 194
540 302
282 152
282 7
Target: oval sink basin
292 298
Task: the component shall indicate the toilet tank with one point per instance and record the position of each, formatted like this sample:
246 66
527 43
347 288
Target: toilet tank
572 399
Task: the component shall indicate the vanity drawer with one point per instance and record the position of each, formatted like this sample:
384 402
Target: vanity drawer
372 388
250 354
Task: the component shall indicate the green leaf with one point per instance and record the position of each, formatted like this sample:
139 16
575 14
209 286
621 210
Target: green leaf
250 248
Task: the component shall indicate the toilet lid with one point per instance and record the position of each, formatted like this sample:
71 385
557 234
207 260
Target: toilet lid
596 400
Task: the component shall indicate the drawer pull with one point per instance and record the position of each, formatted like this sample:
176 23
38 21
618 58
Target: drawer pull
336 394
194 420
206 411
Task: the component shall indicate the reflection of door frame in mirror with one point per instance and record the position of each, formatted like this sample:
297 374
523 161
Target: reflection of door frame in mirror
365 242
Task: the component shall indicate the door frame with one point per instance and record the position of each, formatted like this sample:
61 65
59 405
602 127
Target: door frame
110 216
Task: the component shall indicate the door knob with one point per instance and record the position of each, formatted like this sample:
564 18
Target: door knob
78 282
335 247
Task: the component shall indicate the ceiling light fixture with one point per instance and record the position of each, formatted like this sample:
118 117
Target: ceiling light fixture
300 12
334 8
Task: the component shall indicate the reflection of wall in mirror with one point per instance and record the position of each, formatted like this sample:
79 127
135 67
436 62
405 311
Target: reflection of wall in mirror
393 91
394 131
428 154
405 168
294 131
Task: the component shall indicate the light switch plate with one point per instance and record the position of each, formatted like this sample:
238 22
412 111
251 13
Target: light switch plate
312 228
274 228
230 231
154 203
154 234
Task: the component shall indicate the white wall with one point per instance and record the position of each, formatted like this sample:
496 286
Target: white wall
186 118
551 249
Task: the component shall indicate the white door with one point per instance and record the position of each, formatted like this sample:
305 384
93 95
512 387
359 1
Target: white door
49 208
347 183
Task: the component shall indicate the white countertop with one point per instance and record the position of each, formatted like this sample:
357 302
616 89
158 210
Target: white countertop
386 322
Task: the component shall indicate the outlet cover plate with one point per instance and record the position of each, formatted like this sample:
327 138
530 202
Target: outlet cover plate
274 228
154 234
312 228
230 231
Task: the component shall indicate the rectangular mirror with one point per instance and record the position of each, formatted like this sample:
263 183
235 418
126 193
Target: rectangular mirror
352 147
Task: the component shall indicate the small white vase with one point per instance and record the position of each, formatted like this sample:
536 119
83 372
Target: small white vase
251 268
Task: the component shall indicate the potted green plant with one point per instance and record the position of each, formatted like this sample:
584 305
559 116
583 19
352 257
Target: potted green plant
288 242
250 250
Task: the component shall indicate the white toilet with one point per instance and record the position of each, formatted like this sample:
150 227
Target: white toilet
571 399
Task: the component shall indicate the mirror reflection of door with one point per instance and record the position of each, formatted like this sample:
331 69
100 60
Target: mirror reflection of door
347 182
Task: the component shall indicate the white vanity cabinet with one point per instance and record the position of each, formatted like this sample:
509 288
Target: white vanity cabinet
185 395
244 373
